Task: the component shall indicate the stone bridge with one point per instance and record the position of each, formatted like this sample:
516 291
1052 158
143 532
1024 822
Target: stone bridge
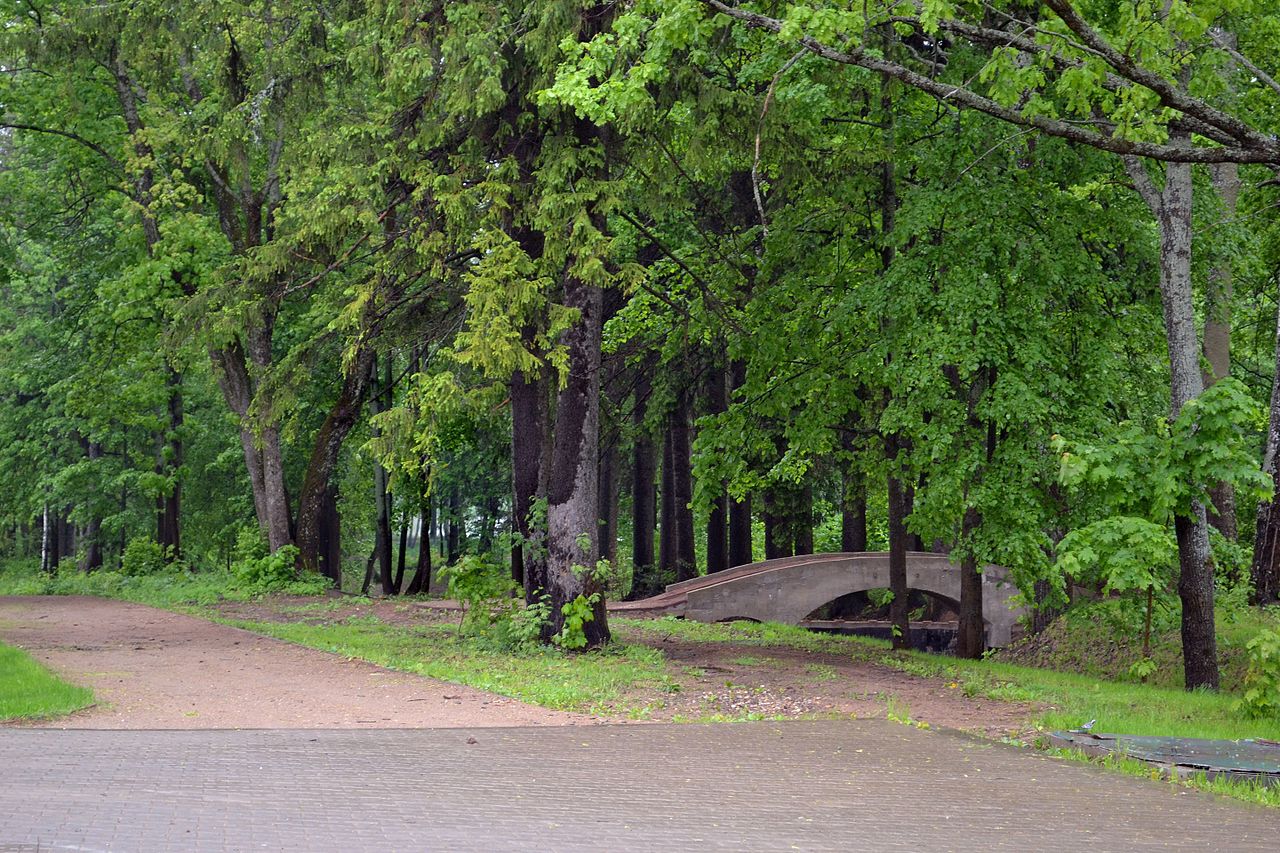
789 589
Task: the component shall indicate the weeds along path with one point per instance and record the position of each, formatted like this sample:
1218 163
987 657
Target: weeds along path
153 669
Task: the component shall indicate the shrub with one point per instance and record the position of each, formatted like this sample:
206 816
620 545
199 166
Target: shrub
269 572
142 556
1262 681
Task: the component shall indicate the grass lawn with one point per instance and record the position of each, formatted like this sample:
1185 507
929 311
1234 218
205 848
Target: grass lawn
29 691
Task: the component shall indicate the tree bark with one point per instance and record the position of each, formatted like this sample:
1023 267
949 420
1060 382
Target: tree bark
1172 208
1265 571
313 503
899 609
382 500
1217 334
971 636
572 503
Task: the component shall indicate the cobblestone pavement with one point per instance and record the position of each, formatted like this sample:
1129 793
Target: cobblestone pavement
829 785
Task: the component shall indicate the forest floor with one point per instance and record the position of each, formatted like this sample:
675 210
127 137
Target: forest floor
155 669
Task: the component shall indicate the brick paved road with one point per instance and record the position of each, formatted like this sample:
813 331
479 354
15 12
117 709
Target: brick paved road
834 785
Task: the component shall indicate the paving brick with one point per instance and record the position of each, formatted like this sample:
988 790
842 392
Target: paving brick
823 785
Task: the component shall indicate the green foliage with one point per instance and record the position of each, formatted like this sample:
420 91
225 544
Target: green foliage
1123 552
142 556
1261 696
270 572
576 614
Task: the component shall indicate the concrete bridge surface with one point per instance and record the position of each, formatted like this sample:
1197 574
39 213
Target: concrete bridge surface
789 589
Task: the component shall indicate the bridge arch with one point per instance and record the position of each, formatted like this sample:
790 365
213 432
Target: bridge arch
789 589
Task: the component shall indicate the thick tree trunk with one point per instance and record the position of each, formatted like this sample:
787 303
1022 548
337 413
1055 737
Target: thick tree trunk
971 636
325 452
572 502
644 497
1265 572
1172 208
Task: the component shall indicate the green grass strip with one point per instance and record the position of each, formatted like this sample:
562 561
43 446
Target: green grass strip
29 691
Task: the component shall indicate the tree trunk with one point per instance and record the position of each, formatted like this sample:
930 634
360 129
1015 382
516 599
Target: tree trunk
1172 208
644 497
853 511
528 434
329 538
741 536
803 520
325 452
899 608
168 465
421 582
93 530
1265 571
682 479
398 583
777 531
970 638
1217 333
717 518
454 534
572 502
382 500
667 535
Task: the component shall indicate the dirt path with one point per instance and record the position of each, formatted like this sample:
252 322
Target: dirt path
152 669
722 680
